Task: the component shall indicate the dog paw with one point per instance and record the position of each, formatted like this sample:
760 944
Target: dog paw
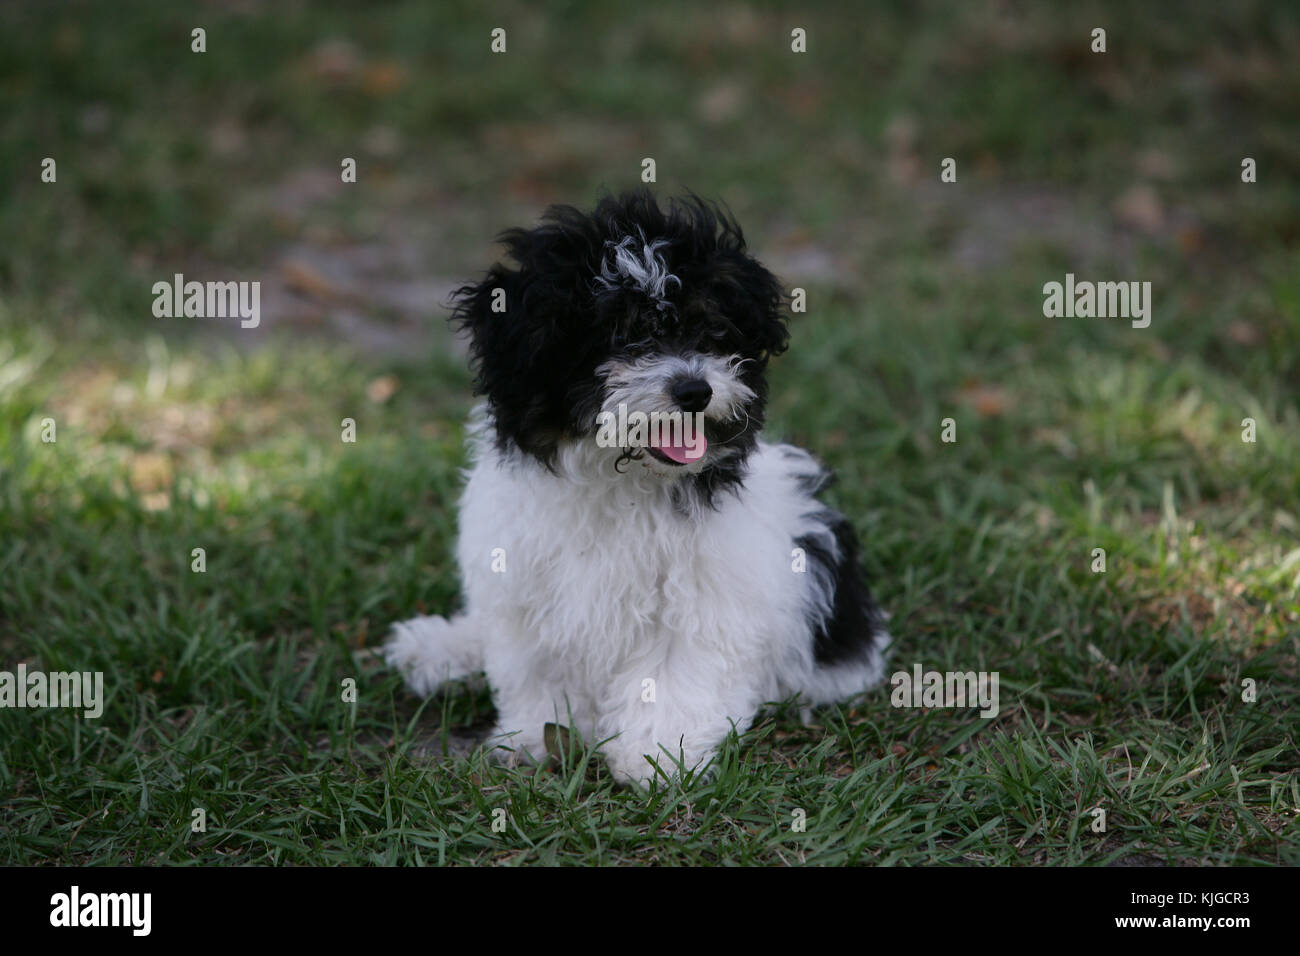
631 770
516 749
425 652
632 766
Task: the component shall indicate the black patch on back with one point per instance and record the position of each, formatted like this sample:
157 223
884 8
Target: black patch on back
850 630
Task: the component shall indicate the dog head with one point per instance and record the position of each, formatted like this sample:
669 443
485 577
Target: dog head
643 331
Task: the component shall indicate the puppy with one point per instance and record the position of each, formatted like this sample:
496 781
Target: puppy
650 588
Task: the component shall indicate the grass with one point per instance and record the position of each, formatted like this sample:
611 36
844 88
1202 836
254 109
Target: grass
1121 690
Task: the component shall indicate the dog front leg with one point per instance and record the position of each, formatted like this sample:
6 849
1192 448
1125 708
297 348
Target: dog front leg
429 651
529 691
678 719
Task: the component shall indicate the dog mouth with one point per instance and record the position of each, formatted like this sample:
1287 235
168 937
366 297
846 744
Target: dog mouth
657 455
679 455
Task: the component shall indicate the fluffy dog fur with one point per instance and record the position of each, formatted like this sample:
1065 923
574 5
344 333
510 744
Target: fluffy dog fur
650 604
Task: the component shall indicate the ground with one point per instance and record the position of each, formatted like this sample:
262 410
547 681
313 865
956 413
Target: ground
1122 690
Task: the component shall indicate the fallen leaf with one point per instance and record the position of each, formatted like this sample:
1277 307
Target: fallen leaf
335 60
989 401
150 472
305 280
383 79
556 738
1140 208
381 389
1243 332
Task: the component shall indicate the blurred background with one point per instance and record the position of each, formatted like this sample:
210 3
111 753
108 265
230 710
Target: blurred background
925 297
925 302
227 162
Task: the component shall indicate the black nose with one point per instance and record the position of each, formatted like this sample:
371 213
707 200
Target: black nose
692 394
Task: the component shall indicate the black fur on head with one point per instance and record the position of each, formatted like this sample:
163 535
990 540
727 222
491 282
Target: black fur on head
535 355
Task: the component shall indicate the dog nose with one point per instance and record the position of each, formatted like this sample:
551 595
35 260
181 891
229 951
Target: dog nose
692 394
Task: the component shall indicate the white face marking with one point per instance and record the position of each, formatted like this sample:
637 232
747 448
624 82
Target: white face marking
643 385
646 270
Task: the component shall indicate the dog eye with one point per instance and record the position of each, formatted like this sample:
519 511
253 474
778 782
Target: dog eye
628 346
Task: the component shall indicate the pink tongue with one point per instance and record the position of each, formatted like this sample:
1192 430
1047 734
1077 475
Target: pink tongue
683 455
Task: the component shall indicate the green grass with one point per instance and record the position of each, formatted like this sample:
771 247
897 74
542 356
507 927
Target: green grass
1120 690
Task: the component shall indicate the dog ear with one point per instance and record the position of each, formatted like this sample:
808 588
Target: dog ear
754 300
738 286
523 329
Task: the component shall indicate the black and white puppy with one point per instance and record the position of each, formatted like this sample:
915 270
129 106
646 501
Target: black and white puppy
651 587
